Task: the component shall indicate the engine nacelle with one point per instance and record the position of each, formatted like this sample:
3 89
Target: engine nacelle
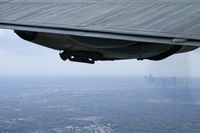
101 43
78 47
54 41
28 36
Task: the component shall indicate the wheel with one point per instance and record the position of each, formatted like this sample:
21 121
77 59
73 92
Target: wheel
63 56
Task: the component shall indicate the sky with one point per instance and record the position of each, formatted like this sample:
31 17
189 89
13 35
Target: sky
22 58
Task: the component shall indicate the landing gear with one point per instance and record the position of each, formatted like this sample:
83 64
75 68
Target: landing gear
81 56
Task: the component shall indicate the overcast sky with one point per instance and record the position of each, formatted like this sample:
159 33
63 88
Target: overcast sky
19 58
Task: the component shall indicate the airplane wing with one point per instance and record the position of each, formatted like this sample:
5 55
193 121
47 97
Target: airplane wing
174 22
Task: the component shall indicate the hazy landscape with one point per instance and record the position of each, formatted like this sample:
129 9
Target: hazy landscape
99 105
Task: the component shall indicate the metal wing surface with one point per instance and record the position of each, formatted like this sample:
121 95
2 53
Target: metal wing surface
159 21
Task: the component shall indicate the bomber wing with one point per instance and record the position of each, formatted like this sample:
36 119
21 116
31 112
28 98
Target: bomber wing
173 22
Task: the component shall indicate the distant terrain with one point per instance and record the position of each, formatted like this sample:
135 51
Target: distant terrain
99 105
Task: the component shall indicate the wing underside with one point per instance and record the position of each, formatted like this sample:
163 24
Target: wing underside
164 22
